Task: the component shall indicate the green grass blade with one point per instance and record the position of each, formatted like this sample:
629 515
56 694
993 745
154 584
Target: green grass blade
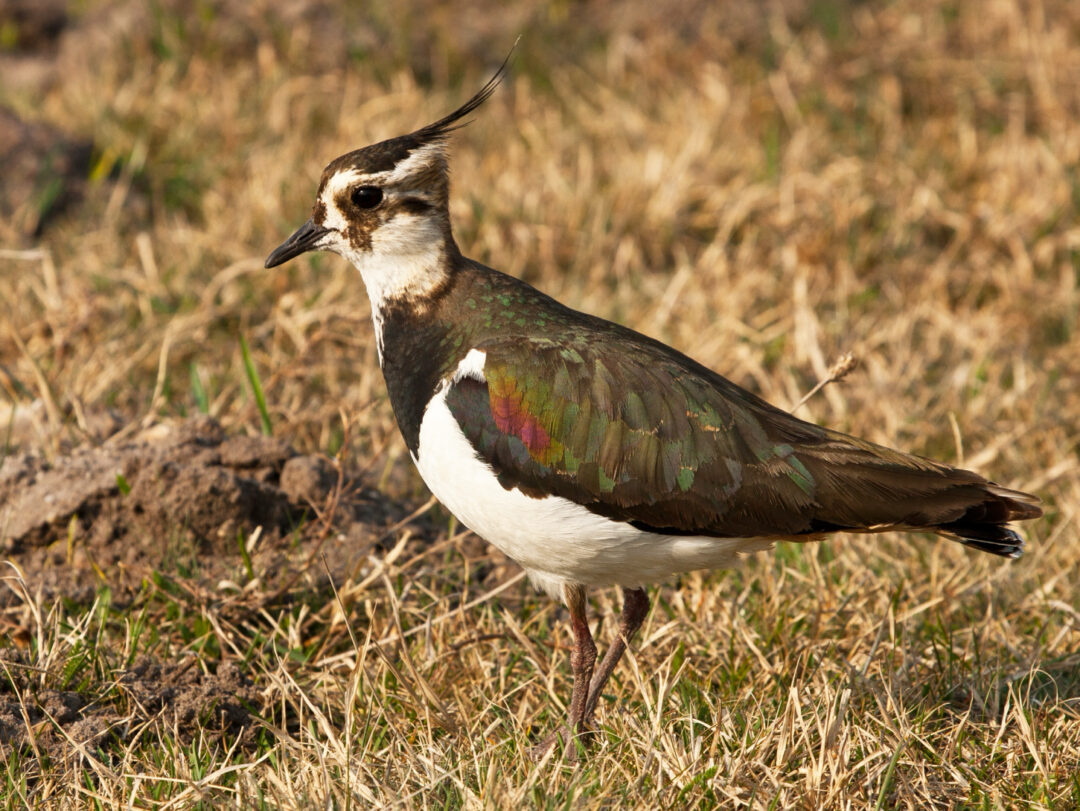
6 449
198 390
241 543
256 387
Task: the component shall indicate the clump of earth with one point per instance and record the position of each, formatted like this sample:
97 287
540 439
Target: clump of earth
176 502
179 497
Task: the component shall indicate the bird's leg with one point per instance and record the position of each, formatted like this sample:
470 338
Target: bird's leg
635 607
583 657
582 661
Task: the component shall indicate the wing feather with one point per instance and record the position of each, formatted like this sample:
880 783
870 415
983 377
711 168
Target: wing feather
648 436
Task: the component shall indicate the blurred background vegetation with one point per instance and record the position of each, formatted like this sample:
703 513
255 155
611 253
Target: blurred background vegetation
766 186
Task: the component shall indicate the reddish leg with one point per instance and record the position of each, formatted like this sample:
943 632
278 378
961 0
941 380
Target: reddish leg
582 661
589 681
583 657
635 607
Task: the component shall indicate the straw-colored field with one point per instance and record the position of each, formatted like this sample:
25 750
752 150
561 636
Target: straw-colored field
766 187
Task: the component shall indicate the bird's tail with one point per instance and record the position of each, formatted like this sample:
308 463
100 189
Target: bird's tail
984 525
869 488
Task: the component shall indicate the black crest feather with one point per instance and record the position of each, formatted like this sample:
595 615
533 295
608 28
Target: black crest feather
385 155
451 122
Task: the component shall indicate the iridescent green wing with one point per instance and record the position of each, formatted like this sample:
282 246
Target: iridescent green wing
637 432
642 435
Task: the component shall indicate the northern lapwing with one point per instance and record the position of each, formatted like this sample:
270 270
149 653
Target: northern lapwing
591 454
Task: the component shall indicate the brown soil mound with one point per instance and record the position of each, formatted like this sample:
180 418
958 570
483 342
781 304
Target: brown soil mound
175 502
179 499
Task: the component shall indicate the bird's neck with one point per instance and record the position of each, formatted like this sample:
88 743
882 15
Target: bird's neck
406 270
420 343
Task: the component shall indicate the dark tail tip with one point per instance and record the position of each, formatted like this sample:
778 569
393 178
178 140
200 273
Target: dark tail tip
985 525
1010 545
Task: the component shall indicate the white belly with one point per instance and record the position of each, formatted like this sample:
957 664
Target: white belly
556 540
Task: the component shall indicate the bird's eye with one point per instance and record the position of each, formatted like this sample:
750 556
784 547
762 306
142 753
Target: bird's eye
366 196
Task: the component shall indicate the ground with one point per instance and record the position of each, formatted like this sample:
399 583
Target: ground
225 583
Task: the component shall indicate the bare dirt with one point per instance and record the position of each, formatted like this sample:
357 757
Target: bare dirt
174 502
178 498
62 723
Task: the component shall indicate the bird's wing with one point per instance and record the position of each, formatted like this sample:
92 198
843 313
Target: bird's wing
648 436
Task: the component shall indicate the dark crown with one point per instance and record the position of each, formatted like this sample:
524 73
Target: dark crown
385 155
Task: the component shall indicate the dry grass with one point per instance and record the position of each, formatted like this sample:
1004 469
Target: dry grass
765 189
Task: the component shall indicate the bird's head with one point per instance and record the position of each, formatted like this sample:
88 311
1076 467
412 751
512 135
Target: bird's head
385 208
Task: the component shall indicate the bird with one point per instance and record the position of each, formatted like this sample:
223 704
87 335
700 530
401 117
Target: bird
591 454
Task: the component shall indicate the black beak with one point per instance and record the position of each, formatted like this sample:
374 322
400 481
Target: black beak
305 238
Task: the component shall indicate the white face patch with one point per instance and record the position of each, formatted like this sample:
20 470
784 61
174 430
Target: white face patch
406 254
334 217
421 158
406 260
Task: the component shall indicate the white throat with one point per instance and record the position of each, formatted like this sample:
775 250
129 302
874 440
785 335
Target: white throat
407 260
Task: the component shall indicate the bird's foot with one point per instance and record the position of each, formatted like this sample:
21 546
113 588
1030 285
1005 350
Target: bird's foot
574 743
